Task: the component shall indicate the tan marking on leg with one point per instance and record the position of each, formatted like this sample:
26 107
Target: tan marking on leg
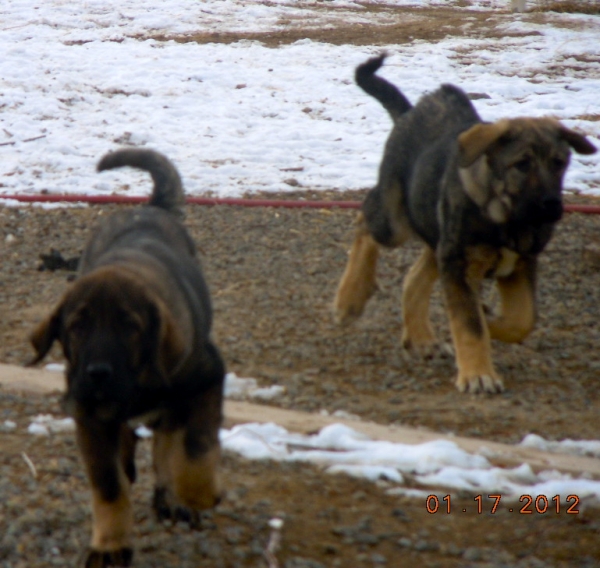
517 307
470 333
113 522
358 282
104 451
476 371
416 293
193 482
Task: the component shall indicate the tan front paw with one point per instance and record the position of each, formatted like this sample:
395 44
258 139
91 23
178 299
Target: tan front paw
350 301
167 508
419 338
490 383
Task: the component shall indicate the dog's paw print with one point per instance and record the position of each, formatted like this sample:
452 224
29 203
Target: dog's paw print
480 383
102 559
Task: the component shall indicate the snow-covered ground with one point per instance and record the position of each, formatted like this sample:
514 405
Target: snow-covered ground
78 79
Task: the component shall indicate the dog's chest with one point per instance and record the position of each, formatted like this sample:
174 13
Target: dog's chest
506 263
148 419
490 262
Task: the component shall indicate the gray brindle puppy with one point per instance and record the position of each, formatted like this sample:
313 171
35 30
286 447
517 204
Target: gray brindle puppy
482 197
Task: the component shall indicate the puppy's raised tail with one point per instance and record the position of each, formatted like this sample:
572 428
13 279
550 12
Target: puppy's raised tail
168 189
387 94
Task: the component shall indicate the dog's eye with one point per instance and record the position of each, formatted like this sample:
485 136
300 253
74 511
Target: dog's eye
523 165
75 325
130 325
558 164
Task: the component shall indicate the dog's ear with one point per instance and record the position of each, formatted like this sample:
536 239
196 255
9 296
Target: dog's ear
475 141
170 348
45 334
577 141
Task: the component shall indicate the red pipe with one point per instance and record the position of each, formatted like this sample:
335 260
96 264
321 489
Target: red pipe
580 208
288 203
70 198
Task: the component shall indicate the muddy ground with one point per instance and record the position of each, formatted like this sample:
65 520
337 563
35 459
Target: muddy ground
272 274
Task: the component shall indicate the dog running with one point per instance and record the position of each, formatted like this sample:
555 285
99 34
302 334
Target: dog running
484 199
135 330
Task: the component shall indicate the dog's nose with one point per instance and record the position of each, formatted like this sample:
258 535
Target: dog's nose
552 208
99 371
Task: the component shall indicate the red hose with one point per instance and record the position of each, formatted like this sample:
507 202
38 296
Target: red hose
70 198
287 203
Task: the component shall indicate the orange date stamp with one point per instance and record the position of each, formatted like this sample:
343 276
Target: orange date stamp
528 505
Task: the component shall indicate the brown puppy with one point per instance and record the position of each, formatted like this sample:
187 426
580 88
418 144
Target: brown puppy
135 330
483 198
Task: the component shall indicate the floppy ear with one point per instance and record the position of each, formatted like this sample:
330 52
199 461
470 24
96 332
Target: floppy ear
169 349
473 143
44 335
577 141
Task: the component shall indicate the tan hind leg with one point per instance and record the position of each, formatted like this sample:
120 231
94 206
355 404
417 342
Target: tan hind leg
416 292
358 282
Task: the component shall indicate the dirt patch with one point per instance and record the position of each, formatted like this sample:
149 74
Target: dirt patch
398 26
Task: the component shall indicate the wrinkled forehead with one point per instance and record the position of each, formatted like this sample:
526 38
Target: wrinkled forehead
541 137
100 297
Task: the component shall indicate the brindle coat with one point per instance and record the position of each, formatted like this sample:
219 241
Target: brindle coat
484 199
135 331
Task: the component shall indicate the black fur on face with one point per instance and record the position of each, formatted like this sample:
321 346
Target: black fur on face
531 163
102 344
115 339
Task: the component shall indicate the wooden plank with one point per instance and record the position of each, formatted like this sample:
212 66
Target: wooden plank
236 412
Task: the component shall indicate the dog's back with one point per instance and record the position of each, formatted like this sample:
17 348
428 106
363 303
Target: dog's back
437 118
147 227
416 153
152 239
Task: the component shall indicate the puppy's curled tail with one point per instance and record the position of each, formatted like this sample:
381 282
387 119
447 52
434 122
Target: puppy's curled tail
168 190
387 94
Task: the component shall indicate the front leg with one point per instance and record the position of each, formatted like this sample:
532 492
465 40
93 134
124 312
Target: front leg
517 303
107 451
461 280
416 291
186 458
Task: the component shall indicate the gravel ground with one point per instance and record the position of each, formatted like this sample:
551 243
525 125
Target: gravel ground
273 273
